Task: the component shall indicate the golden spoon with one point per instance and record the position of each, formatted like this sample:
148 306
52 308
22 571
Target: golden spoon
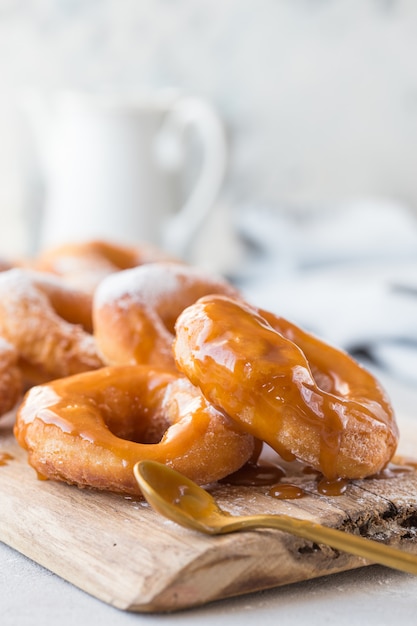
182 501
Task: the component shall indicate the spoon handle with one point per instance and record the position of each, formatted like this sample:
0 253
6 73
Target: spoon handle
353 544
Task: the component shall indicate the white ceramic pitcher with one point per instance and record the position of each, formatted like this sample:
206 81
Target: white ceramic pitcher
112 166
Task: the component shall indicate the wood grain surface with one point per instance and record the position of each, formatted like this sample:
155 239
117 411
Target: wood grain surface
120 551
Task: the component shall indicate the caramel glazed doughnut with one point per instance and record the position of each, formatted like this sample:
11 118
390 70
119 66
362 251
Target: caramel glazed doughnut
90 429
306 399
134 311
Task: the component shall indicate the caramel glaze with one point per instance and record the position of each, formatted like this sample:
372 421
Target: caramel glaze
258 473
5 457
90 429
255 475
286 491
306 399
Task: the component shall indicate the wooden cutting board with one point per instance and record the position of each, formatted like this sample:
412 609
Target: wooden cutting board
120 551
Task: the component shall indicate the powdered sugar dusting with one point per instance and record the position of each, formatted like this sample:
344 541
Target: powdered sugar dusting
6 347
149 283
29 322
17 287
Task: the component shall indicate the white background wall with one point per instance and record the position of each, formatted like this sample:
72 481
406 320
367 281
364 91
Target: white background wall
319 96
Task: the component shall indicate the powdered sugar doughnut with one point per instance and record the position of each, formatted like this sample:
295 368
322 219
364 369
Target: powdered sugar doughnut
134 311
47 323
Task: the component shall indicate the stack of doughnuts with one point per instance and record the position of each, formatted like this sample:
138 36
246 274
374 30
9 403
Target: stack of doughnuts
153 358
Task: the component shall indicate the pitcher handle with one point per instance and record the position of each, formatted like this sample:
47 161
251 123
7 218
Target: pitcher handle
194 113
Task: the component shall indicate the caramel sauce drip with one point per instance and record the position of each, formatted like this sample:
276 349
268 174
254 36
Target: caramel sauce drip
261 474
253 475
286 491
335 487
5 457
40 476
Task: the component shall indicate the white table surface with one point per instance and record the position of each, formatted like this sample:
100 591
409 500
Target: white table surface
32 595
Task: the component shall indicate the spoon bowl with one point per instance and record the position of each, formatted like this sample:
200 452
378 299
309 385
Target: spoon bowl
181 500
176 497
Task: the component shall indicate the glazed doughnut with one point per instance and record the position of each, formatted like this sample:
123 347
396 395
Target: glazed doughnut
84 265
11 384
306 399
134 311
48 324
90 429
